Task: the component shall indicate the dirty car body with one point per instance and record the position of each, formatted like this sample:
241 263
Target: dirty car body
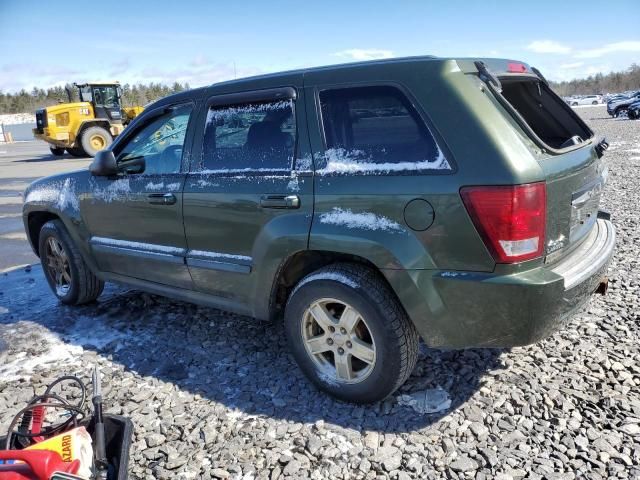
483 226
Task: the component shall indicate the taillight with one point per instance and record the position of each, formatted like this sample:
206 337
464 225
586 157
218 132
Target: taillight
514 67
510 219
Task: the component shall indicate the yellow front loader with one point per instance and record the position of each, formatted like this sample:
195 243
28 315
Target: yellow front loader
84 128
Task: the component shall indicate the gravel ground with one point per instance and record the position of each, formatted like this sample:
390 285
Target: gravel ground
214 395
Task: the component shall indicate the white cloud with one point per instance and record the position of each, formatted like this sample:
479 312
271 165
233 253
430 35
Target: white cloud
626 46
569 66
548 46
364 54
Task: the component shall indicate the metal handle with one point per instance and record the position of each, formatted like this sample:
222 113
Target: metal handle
161 198
280 201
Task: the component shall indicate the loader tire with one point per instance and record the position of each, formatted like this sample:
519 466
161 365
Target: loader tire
57 151
95 139
76 152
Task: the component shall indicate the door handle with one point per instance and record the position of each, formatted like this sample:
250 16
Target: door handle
161 198
280 201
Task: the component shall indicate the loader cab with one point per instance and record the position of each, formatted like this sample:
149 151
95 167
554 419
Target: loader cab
105 99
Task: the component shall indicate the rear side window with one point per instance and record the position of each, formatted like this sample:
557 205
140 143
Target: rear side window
376 128
250 137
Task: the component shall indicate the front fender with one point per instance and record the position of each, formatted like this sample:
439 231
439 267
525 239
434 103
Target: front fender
59 196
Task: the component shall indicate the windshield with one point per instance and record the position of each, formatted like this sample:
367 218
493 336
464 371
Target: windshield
106 96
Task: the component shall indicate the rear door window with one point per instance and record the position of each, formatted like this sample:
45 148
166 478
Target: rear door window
250 137
376 126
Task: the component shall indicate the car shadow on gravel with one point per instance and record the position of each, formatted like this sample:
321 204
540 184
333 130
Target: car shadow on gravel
236 361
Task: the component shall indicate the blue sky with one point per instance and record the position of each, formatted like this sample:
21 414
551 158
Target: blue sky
201 42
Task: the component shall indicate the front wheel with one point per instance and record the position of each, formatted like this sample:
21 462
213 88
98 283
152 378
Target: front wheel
349 334
57 151
68 275
95 139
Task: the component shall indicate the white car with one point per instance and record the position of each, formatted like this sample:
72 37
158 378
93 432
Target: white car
585 100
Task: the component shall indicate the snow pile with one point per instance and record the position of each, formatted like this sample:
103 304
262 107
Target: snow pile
433 400
49 352
365 221
17 118
339 160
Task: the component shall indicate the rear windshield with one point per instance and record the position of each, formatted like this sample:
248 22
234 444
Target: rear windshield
544 113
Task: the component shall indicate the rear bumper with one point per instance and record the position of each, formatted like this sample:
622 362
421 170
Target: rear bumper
469 309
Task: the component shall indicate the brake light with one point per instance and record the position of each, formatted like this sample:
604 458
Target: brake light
514 67
510 219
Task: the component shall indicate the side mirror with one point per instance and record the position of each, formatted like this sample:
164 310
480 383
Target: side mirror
104 164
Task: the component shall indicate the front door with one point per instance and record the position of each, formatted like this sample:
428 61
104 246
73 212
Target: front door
135 218
248 199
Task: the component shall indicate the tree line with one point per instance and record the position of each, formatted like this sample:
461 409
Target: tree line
142 94
138 94
614 82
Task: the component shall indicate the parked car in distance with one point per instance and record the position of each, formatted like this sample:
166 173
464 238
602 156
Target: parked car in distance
633 111
618 107
348 201
585 100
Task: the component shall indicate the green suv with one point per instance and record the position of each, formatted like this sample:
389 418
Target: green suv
366 204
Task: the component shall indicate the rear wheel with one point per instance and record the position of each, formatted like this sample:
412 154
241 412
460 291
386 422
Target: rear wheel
349 334
57 151
95 139
68 275
621 112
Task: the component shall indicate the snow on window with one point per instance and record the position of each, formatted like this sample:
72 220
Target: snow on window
365 221
217 255
304 164
230 112
339 160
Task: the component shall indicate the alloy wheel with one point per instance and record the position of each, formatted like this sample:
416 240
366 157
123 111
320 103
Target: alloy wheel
57 262
338 340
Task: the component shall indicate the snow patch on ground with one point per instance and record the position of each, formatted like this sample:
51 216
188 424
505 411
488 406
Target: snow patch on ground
365 221
339 160
433 400
17 118
51 352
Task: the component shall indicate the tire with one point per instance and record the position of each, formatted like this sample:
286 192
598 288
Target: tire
57 151
594 103
94 139
381 330
621 112
574 104
79 285
76 152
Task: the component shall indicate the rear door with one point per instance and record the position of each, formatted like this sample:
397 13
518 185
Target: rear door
135 218
248 198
